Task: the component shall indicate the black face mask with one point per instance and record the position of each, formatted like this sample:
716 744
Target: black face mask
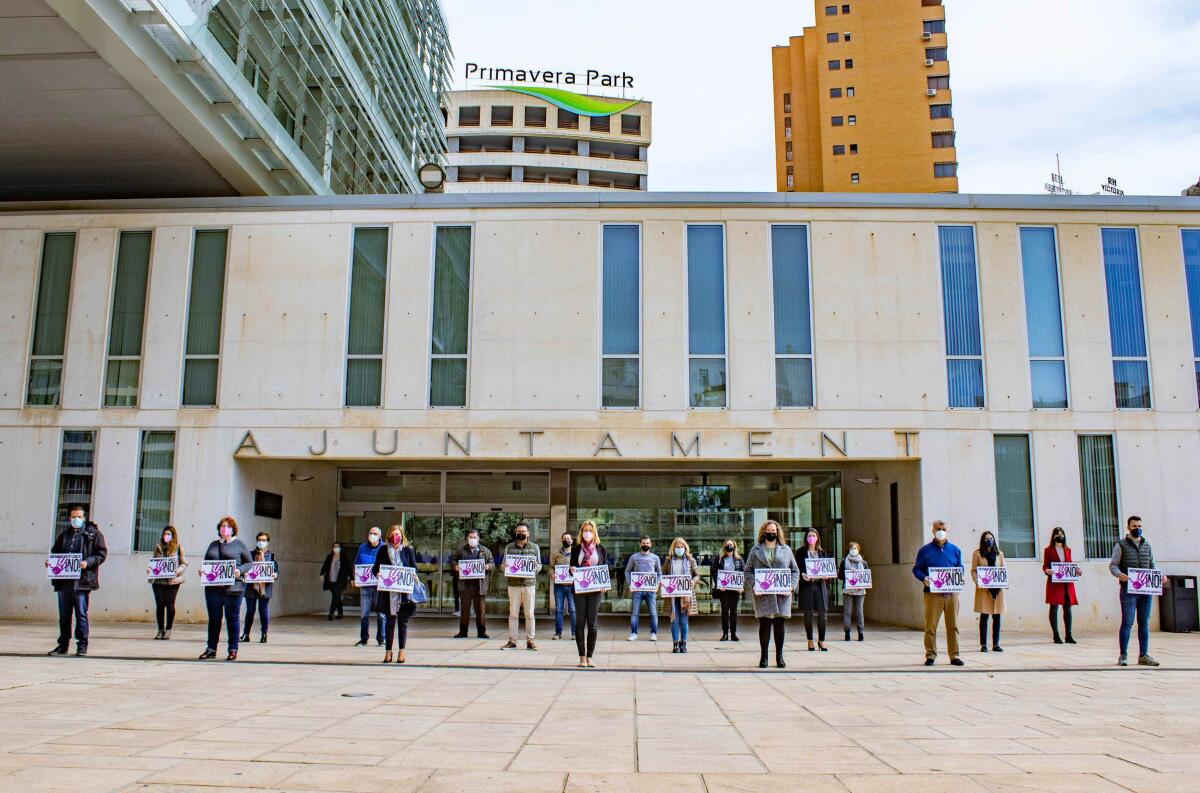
729 549
522 537
645 547
770 537
1059 538
566 543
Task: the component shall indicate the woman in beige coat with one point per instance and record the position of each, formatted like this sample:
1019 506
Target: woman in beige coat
988 602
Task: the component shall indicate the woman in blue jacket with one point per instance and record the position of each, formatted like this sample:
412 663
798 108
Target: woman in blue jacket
259 595
398 606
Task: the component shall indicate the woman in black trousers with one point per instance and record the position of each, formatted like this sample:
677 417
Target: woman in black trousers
588 553
814 592
398 606
731 560
167 589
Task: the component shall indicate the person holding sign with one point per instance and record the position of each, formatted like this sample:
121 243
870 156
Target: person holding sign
643 564
259 593
853 597
83 541
364 579
397 605
989 601
589 553
941 596
472 563
1061 573
167 589
680 562
335 575
564 587
730 561
225 599
522 562
819 567
1133 552
773 573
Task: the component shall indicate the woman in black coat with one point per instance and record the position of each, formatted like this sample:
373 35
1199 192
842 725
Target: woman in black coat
814 592
731 560
335 575
398 606
587 553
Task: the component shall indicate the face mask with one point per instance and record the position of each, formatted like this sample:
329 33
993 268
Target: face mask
770 537
76 523
522 537
567 543
225 531
167 538
394 539
645 549
729 548
939 535
811 540
1135 532
262 545
989 542
374 538
854 553
587 536
678 551
336 550
473 542
1058 538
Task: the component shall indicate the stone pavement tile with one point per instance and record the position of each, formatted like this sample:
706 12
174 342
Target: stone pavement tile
356 780
225 773
229 749
317 758
837 760
1077 763
702 738
926 783
776 783
568 757
496 737
501 713
1049 783
974 746
449 757
1166 763
586 782
52 779
1144 779
344 744
888 746
445 781
106 736
784 733
679 758
925 763
64 746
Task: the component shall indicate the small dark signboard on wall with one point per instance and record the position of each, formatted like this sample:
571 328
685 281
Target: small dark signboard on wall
268 505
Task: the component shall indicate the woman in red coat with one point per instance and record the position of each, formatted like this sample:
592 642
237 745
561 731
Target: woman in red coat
1059 593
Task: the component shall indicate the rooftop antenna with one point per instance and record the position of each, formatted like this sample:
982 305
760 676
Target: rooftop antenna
1056 186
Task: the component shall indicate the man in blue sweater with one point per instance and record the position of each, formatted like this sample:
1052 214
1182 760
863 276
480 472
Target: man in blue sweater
939 552
366 594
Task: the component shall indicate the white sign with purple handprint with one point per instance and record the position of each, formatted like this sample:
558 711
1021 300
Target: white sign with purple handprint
992 577
261 573
520 566
364 575
562 573
472 569
946 580
820 567
772 581
858 579
677 586
217 572
731 579
1064 572
643 582
1145 581
64 566
162 566
393 578
592 579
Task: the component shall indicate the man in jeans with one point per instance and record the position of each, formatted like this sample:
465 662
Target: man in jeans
642 562
564 594
1133 550
939 552
521 590
84 538
366 594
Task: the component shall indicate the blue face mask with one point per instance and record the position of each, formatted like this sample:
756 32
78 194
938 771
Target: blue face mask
988 543
678 551
1135 533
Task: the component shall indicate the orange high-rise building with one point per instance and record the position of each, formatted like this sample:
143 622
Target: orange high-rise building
862 101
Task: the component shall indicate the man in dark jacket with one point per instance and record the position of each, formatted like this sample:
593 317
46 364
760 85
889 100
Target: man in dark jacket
335 575
472 591
84 538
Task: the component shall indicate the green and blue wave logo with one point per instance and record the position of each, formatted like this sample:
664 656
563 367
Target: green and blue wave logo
573 102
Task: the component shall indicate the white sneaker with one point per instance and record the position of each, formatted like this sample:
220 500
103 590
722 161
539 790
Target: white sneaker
456 613
654 637
633 637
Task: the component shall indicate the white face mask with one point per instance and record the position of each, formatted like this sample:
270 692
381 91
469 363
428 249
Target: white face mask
374 538
939 535
678 550
262 545
854 552
77 523
337 551
473 542
587 536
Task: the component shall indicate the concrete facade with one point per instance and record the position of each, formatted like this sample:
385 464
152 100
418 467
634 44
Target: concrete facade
880 413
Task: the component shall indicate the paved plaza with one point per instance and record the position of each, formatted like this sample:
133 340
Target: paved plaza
308 711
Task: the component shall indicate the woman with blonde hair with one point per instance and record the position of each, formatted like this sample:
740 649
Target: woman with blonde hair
167 589
398 606
729 560
853 597
680 562
771 551
587 553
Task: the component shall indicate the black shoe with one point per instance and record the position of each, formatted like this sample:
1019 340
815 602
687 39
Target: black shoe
58 651
485 636
733 637
929 662
1070 640
824 649
204 656
460 635
379 642
724 637
860 636
81 650
361 643
779 660
997 648
983 648
762 661
245 637
957 662
674 647
263 640
1058 639
683 647
330 618
232 656
847 634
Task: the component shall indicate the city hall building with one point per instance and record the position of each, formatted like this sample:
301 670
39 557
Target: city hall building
667 364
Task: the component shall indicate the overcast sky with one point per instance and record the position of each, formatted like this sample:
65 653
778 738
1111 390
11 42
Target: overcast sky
1113 86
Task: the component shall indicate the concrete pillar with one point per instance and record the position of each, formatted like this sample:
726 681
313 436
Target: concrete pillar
585 148
519 144
518 173
581 177
559 481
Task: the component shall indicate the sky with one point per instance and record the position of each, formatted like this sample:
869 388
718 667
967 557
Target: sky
1111 86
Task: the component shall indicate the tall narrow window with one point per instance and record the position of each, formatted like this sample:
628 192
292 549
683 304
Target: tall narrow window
202 353
1191 268
451 317
960 304
1098 484
50 320
364 341
793 317
76 469
128 320
706 316
1123 282
155 474
1043 318
1014 496
621 342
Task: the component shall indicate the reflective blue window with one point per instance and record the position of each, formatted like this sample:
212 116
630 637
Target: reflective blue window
706 315
960 305
1043 318
1123 285
620 345
793 316
1191 269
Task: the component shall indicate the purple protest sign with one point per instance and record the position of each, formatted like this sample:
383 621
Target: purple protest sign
643 582
772 581
64 566
1144 581
393 578
992 577
520 566
261 573
592 579
946 580
731 579
858 579
1064 572
677 586
162 567
821 567
472 569
562 573
364 575
217 572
